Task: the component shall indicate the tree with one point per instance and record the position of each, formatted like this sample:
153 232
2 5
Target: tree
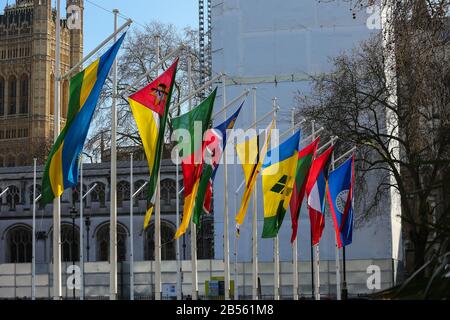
138 55
352 102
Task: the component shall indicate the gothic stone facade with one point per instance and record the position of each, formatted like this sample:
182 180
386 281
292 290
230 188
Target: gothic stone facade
27 60
16 217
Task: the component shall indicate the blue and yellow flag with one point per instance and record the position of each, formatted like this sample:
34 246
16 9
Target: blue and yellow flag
61 168
278 177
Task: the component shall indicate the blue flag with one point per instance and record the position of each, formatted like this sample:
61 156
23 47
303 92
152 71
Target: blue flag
340 198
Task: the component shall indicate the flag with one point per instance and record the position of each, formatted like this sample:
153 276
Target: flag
278 176
61 168
251 160
304 161
150 107
315 191
191 160
215 143
340 198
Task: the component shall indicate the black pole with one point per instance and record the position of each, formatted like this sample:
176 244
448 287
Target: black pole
73 252
312 266
88 224
344 283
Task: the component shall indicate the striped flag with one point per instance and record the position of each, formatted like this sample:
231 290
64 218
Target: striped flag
215 143
61 168
315 191
304 161
150 107
191 160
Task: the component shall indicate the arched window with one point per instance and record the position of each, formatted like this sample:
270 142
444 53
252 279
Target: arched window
98 194
142 195
12 197
167 242
12 94
30 194
70 243
2 96
76 195
102 238
123 192
205 238
24 92
19 244
11 161
21 160
168 191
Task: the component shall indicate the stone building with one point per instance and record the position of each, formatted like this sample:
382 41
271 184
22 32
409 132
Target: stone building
16 217
27 60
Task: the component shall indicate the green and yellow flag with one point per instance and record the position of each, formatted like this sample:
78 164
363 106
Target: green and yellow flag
61 168
192 157
278 177
251 159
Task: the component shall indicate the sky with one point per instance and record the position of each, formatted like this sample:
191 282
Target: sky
98 23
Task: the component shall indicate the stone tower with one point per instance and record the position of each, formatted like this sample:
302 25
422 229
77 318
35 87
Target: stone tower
27 69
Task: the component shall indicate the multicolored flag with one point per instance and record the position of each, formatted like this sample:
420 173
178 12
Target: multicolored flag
340 198
278 177
315 191
215 142
304 161
192 158
150 107
61 168
251 159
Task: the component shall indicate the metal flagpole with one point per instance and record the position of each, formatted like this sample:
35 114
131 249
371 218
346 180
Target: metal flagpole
81 233
226 241
158 288
33 260
276 259
295 243
310 232
254 223
57 280
194 285
338 271
131 229
113 203
236 281
177 241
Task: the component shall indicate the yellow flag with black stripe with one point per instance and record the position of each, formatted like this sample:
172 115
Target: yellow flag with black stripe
251 159
278 177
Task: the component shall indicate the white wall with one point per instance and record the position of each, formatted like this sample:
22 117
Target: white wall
256 42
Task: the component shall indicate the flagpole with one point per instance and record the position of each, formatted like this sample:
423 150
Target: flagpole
255 221
295 243
113 187
194 285
344 282
226 241
158 288
81 233
57 281
338 271
131 229
33 260
177 241
313 288
236 284
276 259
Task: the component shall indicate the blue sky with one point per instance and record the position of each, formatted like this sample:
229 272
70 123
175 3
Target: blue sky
98 23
